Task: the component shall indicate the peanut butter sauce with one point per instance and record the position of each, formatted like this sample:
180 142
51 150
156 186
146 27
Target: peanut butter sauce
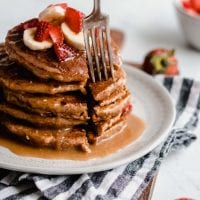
133 131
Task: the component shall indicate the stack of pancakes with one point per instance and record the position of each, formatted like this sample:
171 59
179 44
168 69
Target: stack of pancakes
110 108
42 112
48 103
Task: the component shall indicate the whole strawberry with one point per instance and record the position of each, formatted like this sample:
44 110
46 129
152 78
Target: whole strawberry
161 61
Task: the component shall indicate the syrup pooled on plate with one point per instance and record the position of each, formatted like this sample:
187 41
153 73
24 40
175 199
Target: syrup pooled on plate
134 130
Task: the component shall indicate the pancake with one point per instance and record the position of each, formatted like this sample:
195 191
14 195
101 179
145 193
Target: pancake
37 120
103 90
111 110
15 77
103 125
112 130
42 99
109 97
66 105
118 93
44 64
4 60
57 139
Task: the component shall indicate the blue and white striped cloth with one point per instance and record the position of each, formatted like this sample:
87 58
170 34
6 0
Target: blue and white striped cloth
125 182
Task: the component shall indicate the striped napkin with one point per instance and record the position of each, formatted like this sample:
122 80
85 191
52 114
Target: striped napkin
125 182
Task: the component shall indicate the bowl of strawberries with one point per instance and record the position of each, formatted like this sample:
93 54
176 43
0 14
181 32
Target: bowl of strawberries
188 12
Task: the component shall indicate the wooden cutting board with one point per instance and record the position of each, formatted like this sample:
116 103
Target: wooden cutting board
147 194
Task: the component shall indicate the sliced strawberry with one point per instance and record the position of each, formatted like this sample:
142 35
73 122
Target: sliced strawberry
161 61
186 4
63 51
42 32
74 19
127 109
62 5
172 70
195 4
28 24
56 34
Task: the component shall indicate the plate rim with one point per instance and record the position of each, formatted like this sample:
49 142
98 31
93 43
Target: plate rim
110 165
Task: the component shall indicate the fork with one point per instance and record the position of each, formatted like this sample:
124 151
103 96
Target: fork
98 44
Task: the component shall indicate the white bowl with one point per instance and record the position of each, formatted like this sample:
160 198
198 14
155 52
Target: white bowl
189 24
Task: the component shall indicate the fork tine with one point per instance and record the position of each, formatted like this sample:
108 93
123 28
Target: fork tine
102 52
94 45
109 51
89 56
98 48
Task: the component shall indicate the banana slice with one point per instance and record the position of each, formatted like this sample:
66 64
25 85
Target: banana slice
53 14
75 40
32 44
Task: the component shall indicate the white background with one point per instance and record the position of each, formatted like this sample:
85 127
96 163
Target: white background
148 24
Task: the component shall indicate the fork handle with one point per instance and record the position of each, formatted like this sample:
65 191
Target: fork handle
97 6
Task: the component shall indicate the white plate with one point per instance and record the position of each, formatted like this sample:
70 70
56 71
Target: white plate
152 103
